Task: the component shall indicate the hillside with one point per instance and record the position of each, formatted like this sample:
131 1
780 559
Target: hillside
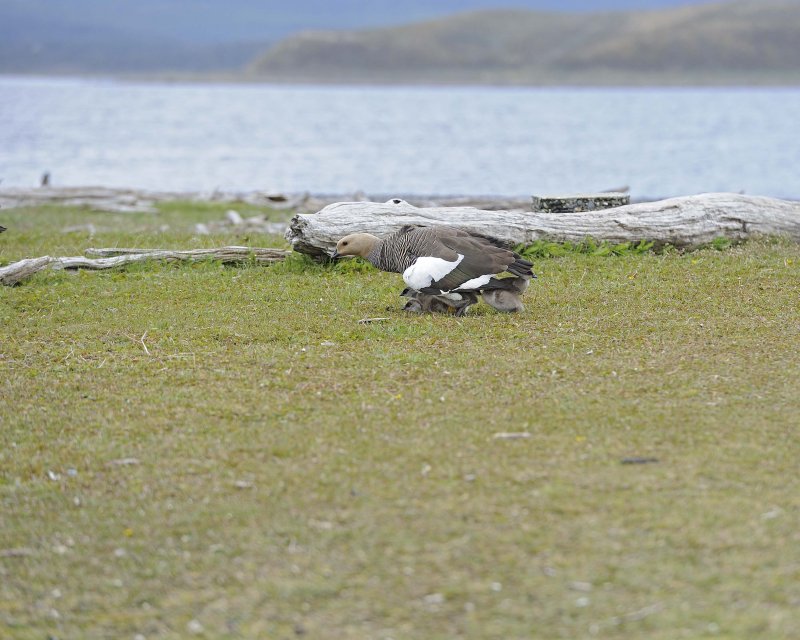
742 41
86 36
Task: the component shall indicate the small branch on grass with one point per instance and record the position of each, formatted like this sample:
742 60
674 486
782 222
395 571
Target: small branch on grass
17 552
226 255
122 462
144 346
16 272
641 614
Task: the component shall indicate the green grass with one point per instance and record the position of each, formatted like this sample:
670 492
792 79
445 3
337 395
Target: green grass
301 474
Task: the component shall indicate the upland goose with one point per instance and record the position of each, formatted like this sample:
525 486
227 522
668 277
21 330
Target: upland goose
456 303
440 261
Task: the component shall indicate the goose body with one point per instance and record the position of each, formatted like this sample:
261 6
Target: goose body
439 261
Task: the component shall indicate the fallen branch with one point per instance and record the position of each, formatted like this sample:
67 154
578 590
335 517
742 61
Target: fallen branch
113 258
24 269
683 222
144 346
226 255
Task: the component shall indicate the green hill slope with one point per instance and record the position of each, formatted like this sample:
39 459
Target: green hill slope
747 41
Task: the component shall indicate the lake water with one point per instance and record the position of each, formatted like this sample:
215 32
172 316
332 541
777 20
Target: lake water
400 140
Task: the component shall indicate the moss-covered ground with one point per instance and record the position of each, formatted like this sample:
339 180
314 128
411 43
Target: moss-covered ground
198 450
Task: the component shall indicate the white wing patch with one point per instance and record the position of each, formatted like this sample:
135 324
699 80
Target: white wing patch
428 269
475 283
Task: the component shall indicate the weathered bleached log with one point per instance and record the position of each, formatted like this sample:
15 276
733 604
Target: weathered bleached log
683 222
16 272
487 203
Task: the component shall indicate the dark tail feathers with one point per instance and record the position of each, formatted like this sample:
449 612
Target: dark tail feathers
521 267
514 285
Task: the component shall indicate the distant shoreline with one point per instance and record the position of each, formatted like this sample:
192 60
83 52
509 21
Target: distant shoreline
768 81
126 200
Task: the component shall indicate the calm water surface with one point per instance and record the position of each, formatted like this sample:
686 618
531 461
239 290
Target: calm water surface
405 140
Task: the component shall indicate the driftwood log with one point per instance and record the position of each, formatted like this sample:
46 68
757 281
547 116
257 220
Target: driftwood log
115 200
98 259
683 222
135 200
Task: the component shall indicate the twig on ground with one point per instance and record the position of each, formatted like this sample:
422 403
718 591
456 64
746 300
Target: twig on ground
144 346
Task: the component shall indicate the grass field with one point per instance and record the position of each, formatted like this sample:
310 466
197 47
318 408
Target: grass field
227 453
